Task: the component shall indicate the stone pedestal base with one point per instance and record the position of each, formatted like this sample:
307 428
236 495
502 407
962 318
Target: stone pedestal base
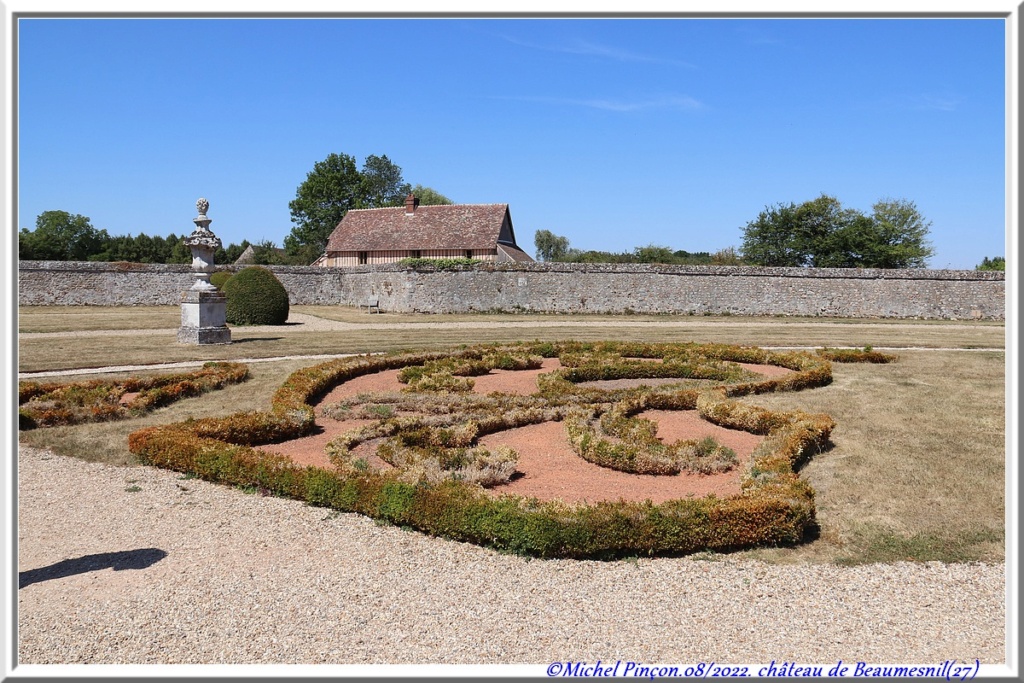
203 318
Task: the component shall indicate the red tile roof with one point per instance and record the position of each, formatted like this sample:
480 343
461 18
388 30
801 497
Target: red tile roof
445 226
514 254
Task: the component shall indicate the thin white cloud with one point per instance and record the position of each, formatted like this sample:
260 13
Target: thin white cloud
934 102
588 49
923 102
758 36
678 103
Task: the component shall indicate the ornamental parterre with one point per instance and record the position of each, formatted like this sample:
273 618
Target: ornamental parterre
437 472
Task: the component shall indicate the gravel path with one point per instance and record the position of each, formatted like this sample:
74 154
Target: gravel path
137 565
302 322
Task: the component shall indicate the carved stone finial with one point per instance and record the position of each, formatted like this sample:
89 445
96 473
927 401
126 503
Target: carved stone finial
203 206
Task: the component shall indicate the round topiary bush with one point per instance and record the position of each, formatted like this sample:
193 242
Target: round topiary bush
256 297
220 277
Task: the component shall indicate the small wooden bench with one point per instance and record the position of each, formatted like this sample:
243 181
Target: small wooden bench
371 304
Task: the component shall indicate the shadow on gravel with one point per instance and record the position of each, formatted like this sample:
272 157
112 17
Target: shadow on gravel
126 559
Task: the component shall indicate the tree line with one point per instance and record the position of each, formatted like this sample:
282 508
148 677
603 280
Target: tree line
555 248
819 233
63 236
330 190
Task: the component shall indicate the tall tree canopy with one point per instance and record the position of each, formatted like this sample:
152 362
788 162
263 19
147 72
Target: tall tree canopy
994 263
550 247
429 196
333 188
820 233
61 236
382 184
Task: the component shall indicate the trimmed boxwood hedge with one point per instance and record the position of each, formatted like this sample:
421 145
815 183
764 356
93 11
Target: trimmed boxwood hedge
255 297
865 355
773 507
218 278
66 403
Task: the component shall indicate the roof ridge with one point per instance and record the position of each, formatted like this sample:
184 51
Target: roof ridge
425 206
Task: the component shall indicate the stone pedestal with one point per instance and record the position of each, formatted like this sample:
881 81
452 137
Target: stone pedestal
202 318
204 307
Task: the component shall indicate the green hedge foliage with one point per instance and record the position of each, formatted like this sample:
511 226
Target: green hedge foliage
256 297
635 448
865 355
774 506
220 277
52 404
439 263
452 374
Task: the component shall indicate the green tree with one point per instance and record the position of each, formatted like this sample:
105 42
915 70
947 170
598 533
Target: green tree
653 253
726 257
429 196
994 263
161 249
382 183
901 236
330 190
180 253
167 248
139 249
817 222
225 255
847 245
146 247
265 253
793 235
684 257
821 234
771 239
122 248
333 188
550 247
61 236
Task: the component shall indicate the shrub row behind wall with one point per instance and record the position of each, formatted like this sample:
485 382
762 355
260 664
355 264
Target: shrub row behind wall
556 288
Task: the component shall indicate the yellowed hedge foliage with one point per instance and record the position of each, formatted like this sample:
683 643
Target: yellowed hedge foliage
774 506
65 403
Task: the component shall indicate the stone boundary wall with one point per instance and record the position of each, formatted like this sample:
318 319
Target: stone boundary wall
557 288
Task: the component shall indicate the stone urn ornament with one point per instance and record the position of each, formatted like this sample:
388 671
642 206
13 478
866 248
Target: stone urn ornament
203 244
203 307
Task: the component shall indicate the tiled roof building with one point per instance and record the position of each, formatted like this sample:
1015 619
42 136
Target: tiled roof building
478 231
249 256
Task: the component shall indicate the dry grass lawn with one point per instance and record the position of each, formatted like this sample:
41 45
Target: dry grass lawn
158 342
918 466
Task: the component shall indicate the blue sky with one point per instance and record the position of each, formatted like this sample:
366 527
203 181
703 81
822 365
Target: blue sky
614 133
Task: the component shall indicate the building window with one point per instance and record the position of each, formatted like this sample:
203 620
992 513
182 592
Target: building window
469 253
415 253
362 258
